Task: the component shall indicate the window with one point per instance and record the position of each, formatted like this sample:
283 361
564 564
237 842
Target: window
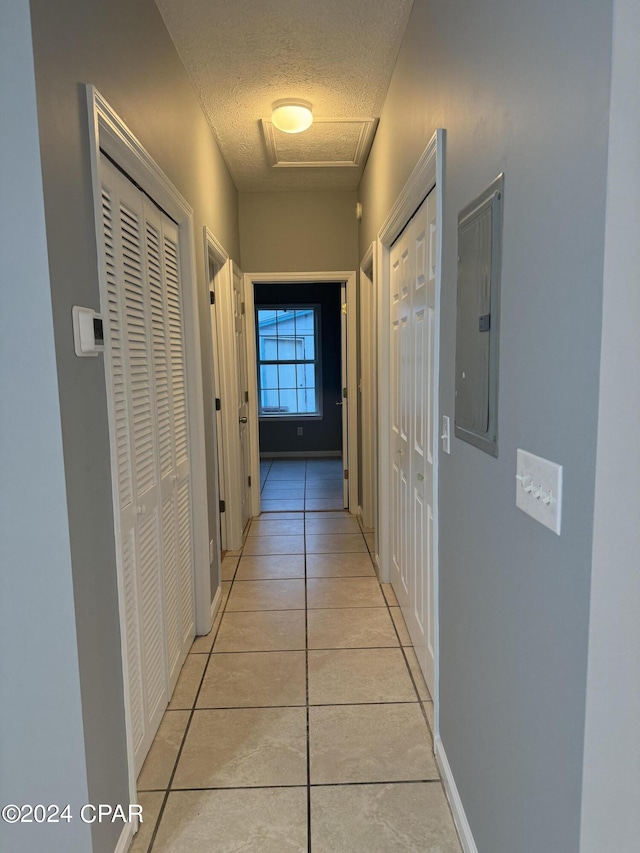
288 364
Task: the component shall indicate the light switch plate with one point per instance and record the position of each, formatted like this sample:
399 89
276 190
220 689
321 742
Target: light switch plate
445 437
539 489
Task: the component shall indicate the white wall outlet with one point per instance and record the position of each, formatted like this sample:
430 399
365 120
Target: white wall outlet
212 551
539 489
445 436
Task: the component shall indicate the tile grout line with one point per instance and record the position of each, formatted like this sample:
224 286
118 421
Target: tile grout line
306 658
406 661
420 781
309 785
192 711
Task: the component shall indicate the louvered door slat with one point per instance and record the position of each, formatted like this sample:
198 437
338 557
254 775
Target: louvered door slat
138 349
160 348
119 380
171 586
178 378
150 592
154 225
176 343
185 559
132 639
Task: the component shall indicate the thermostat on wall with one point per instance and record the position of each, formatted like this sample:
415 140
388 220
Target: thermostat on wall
88 332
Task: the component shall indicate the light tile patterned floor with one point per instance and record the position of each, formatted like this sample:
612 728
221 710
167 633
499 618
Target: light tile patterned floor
301 722
297 484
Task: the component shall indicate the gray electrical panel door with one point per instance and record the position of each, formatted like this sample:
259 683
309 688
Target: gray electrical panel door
479 263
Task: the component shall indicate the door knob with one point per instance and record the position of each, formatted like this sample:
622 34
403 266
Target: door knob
243 420
339 403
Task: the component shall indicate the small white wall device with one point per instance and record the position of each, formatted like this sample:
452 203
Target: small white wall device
539 489
88 332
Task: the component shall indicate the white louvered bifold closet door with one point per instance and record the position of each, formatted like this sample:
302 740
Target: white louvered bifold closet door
149 445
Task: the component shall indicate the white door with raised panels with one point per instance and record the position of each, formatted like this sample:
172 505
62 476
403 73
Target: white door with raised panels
413 385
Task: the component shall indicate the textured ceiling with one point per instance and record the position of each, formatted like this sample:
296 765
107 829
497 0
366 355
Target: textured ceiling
243 55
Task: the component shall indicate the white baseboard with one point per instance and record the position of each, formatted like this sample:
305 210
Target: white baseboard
451 790
126 837
215 604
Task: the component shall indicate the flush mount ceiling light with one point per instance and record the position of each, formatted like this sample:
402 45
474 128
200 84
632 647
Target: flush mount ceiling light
292 116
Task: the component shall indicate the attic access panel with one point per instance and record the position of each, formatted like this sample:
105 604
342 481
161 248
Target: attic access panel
478 316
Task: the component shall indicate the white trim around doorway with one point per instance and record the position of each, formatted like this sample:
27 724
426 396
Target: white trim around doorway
369 390
427 174
348 279
217 257
107 132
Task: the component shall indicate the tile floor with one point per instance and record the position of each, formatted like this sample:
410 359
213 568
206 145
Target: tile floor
301 722
298 484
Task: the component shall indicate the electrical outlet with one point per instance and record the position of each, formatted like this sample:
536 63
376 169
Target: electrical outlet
300 430
539 489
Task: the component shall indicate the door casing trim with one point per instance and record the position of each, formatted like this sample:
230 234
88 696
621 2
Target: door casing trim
347 278
369 381
216 254
427 174
108 132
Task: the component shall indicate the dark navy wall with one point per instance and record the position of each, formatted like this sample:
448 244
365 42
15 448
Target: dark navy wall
324 434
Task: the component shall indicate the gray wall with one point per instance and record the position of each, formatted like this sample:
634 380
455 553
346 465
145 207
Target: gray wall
521 88
610 814
124 49
298 231
42 758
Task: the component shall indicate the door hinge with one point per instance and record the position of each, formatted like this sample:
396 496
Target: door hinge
249 481
222 506
212 297
242 308
344 393
246 396
344 307
346 473
218 404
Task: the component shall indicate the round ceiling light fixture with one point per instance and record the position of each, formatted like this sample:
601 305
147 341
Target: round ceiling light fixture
292 116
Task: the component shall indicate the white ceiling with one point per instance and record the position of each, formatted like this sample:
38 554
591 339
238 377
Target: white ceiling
243 55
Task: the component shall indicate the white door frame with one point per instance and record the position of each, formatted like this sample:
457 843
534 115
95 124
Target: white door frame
228 393
427 174
348 279
369 390
216 254
108 132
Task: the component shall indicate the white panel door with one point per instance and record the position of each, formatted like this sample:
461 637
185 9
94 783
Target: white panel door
413 319
148 413
239 319
401 384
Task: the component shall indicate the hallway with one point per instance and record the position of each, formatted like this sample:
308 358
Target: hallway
303 712
299 484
